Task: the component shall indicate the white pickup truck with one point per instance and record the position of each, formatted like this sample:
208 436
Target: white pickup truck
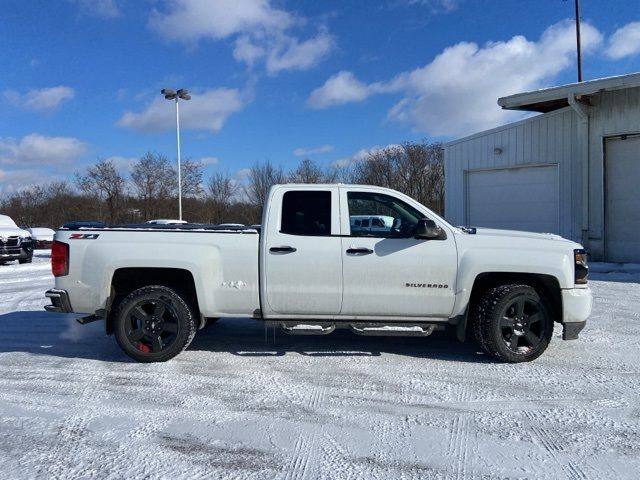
309 271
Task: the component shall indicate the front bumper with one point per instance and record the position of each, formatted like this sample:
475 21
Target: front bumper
576 308
16 252
59 301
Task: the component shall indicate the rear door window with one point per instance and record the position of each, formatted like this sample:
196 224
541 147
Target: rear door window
306 212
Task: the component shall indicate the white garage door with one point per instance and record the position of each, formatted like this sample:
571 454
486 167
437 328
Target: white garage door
622 216
514 198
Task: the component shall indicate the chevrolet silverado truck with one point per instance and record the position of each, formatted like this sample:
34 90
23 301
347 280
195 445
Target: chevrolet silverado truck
310 270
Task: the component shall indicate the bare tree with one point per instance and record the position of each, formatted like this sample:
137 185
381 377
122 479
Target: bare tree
221 192
191 178
155 182
104 179
416 169
262 176
309 172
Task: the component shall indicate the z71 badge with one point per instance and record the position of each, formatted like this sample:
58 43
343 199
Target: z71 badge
84 236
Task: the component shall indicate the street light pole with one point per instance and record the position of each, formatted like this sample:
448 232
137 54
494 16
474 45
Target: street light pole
182 94
179 167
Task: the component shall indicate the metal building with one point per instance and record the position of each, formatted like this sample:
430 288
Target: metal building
573 170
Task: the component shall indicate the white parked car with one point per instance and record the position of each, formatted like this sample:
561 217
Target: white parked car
166 221
310 271
42 237
15 243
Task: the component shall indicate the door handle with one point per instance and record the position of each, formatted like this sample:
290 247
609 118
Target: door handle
285 249
359 251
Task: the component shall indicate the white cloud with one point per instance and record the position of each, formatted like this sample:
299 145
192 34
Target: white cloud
35 149
343 87
260 31
207 111
288 53
122 163
624 42
436 6
242 174
98 8
191 20
207 161
40 100
303 152
456 93
361 155
13 181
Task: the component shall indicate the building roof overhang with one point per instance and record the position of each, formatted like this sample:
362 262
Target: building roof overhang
555 98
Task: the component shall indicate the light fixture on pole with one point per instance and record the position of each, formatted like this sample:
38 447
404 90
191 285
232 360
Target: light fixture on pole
181 94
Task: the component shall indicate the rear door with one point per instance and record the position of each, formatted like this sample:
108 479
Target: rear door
301 253
387 271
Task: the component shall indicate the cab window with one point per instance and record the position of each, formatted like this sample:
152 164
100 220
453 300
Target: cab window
390 216
306 212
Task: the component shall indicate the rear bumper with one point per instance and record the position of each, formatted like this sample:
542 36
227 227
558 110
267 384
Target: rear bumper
59 301
576 308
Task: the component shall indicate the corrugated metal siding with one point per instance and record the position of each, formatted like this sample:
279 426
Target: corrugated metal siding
613 113
543 139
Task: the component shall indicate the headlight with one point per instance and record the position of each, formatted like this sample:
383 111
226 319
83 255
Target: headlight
581 267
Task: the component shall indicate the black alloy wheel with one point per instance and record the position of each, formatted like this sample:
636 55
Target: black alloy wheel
522 324
154 324
512 322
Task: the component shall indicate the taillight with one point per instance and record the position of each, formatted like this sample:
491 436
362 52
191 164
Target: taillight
581 267
59 259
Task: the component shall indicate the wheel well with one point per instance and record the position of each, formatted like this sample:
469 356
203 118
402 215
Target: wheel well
547 287
126 280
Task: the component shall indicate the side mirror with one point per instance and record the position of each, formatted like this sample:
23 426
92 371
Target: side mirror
427 229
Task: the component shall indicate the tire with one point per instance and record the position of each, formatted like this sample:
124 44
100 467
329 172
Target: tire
512 323
25 260
154 324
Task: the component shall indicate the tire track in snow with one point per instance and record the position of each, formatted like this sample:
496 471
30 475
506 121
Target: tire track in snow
70 434
299 465
461 432
563 458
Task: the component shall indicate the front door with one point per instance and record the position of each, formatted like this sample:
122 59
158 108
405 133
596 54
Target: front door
302 263
386 270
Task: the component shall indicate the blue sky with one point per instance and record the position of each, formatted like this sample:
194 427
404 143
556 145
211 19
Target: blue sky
278 80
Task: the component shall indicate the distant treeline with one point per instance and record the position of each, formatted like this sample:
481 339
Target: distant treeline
149 189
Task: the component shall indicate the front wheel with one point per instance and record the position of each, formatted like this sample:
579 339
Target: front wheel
513 323
25 260
154 324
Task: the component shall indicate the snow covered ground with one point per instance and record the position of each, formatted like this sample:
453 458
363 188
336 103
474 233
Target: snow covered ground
340 406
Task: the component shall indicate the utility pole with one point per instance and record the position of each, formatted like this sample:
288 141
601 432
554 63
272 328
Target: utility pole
578 47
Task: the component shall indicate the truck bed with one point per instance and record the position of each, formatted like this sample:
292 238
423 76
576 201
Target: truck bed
223 263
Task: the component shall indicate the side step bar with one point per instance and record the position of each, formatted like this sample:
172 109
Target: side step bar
393 330
364 328
308 329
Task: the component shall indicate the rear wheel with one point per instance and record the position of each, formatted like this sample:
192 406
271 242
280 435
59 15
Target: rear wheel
154 324
512 322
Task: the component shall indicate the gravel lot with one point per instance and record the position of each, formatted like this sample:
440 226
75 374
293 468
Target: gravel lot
341 406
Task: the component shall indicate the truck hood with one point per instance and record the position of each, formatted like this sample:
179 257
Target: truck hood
519 234
6 231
